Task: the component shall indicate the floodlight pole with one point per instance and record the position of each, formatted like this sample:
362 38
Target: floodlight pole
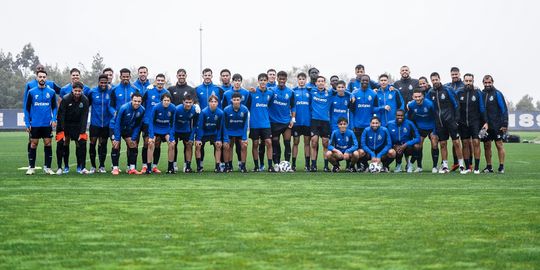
200 50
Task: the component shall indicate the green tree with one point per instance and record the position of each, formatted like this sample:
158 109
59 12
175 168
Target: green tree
26 61
525 104
90 78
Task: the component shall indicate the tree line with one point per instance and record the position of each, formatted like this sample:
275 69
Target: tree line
16 70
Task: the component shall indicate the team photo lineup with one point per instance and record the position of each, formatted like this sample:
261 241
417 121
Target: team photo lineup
364 125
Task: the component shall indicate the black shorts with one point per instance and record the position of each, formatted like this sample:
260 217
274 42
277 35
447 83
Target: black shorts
41 132
469 132
278 129
358 134
450 130
320 128
301 131
210 138
493 135
144 130
425 132
72 132
182 136
99 132
260 133
377 151
161 137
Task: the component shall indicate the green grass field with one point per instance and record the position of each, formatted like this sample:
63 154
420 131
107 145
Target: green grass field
270 221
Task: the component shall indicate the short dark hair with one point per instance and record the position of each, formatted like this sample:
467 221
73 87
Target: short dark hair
454 69
237 76
400 110
103 76
224 70
282 74
341 82
365 75
236 95
313 68
468 75
320 76
301 74
181 70
334 76
206 70
435 74
107 69
384 75
212 97
188 97
160 75
342 119
74 70
486 77
423 78
270 70
77 85
136 94
375 117
41 71
125 70
262 76
359 66
142 67
418 90
166 95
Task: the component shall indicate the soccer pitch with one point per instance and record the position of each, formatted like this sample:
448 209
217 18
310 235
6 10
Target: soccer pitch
269 221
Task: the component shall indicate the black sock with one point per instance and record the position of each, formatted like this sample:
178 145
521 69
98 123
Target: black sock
157 154
306 160
293 162
256 163
435 157
188 164
276 149
115 156
467 163
66 155
81 154
313 163
501 167
202 152
145 154
419 157
489 167
269 163
326 163
102 152
32 157
48 156
170 166
149 166
92 152
454 155
238 149
199 163
476 164
347 163
59 153
261 153
176 150
133 153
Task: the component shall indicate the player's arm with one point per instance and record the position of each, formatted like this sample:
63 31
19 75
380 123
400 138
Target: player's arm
137 126
27 109
414 132
332 142
84 116
455 104
118 124
54 109
245 131
354 147
504 110
151 122
400 104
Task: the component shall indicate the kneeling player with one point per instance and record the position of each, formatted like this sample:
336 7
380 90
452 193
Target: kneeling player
127 126
186 121
209 130
342 146
72 120
377 144
236 124
405 139
161 129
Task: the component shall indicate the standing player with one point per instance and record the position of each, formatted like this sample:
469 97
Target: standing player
355 83
225 78
472 117
127 126
282 114
389 101
422 112
99 98
110 75
75 75
236 88
207 89
377 144
151 98
455 84
313 74
210 128
342 146
447 116
161 129
405 139
339 106
424 84
406 84
497 119
363 104
142 83
259 122
334 79
40 119
236 126
320 121
271 78
302 98
181 89
185 124
72 121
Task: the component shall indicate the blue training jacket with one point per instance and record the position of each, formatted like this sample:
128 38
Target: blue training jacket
150 99
120 95
423 115
404 133
143 87
69 87
186 121
320 105
162 121
258 103
302 99
128 121
210 124
363 107
373 140
236 122
41 107
99 100
339 108
392 98
282 106
227 97
204 91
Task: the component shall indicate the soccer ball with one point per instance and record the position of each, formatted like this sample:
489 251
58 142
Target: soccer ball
284 166
374 168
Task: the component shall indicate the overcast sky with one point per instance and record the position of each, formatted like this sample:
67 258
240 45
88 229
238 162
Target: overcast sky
494 37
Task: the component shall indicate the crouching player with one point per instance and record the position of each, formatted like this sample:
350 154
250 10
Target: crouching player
342 146
161 129
209 129
236 126
377 144
405 139
127 126
185 124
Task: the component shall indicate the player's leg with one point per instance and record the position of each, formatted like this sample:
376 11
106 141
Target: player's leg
218 147
314 151
157 153
268 144
287 141
296 142
501 153
188 154
47 151
133 154
102 152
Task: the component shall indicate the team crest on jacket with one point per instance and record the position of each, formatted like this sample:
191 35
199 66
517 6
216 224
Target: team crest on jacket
379 137
153 97
307 94
462 98
491 98
120 94
410 86
404 129
347 139
47 95
369 98
425 109
286 96
390 96
473 98
137 114
36 96
443 96
169 114
80 105
107 96
215 117
242 114
415 110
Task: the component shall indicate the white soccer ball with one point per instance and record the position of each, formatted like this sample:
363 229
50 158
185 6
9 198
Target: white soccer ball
277 168
284 166
374 168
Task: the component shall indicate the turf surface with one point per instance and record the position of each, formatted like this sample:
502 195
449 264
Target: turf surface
270 221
